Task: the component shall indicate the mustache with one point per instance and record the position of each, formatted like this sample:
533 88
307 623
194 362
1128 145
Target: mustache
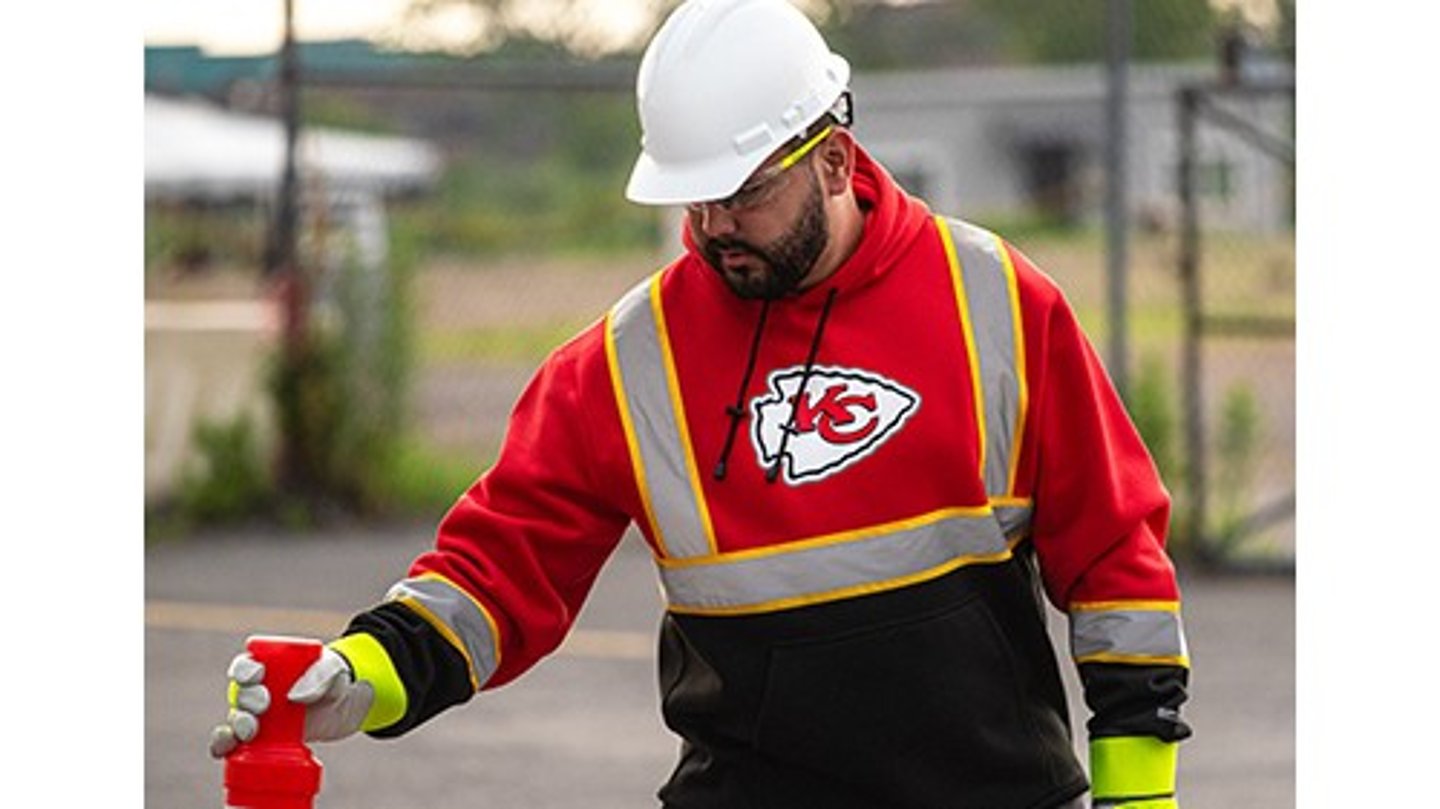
720 243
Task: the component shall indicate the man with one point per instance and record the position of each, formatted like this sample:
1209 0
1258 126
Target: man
862 441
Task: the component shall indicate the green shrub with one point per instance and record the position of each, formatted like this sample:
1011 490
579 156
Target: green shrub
341 394
1152 407
1239 438
423 482
228 479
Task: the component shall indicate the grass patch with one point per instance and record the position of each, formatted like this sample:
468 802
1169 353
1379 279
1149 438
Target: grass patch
518 343
1148 328
425 481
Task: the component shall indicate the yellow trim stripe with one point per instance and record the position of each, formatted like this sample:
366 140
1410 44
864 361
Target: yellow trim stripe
823 540
672 380
1021 407
622 403
1136 660
966 325
1105 606
845 592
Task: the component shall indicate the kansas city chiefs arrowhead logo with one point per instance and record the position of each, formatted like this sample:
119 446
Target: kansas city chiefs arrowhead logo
844 416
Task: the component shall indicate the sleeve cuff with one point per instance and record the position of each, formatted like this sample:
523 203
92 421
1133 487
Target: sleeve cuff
371 664
1133 771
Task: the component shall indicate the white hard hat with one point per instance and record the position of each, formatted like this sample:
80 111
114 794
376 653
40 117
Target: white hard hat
722 85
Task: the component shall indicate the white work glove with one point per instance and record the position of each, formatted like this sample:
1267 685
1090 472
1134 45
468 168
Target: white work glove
337 703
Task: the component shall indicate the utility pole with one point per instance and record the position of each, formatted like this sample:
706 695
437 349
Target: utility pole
283 270
1117 218
281 258
1195 461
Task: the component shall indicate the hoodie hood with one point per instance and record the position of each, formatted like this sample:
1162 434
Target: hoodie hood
893 219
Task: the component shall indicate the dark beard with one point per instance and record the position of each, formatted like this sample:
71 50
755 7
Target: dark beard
786 263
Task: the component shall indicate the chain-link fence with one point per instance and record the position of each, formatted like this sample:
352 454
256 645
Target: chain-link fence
1237 152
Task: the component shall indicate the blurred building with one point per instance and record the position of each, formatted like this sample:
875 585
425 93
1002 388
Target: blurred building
1003 142
248 81
981 141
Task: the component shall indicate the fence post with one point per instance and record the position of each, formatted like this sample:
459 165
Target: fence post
1117 52
282 265
1192 383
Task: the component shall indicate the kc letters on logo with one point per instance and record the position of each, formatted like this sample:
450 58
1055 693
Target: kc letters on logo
843 416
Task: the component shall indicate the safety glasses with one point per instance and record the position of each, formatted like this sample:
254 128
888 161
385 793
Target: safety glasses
762 186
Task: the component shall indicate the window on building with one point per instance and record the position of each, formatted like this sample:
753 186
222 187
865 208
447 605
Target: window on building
1052 179
1215 179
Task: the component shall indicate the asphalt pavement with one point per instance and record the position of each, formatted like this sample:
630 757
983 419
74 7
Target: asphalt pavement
582 730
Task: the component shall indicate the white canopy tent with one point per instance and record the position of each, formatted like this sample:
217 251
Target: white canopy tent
196 150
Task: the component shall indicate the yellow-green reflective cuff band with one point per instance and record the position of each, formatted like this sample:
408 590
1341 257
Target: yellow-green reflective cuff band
1138 766
232 693
1143 803
371 664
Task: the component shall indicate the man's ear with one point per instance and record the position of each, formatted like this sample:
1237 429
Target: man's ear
837 161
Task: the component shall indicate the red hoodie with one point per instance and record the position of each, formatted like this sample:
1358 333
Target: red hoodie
884 441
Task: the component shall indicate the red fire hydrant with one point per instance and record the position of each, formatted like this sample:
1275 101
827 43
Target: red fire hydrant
275 770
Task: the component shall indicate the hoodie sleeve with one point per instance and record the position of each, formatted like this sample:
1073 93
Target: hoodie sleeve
515 557
1101 514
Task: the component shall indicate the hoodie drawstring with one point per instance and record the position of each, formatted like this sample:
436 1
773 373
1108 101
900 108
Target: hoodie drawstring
774 470
736 412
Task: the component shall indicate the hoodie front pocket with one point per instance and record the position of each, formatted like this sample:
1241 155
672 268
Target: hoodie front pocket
910 712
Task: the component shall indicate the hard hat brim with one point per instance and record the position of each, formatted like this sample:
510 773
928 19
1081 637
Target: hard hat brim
654 184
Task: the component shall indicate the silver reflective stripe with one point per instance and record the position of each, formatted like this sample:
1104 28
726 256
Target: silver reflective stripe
455 615
1124 634
810 572
665 483
985 278
1014 520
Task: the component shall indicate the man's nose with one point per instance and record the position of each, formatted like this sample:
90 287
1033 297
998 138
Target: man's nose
715 221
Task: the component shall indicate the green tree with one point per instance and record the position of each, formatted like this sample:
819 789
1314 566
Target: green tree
876 34
567 23
1066 31
879 36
